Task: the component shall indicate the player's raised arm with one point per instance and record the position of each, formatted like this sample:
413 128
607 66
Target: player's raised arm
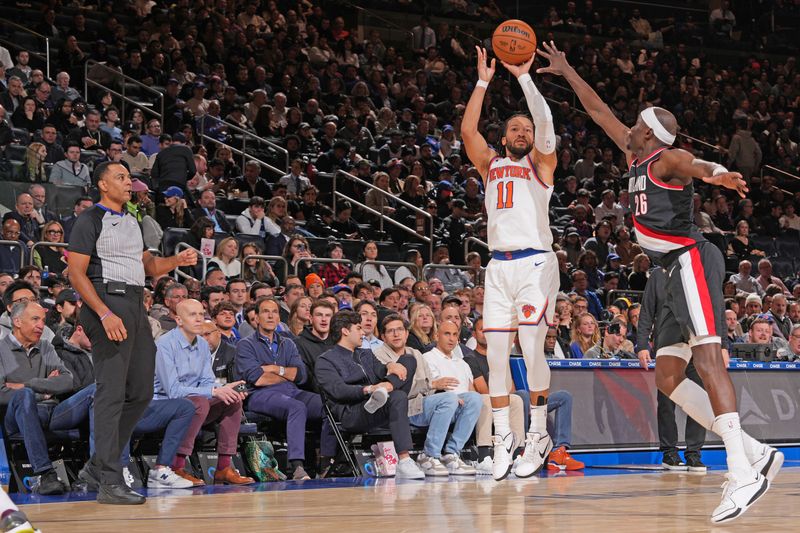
477 150
544 140
597 109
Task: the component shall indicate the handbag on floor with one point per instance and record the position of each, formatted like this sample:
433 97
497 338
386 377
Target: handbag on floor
260 457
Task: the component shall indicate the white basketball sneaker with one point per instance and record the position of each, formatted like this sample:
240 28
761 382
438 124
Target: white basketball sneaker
768 461
503 453
739 493
537 450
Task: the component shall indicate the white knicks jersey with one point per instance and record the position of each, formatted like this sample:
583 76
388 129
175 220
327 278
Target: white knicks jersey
517 206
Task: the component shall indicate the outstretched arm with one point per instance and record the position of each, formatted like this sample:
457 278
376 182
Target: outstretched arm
682 166
477 150
601 114
544 135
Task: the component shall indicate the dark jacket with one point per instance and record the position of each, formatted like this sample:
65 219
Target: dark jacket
651 304
174 165
252 353
103 138
16 366
342 376
311 347
219 216
28 227
13 257
224 362
77 360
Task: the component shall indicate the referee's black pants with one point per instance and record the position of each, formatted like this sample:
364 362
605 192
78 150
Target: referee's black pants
668 429
124 374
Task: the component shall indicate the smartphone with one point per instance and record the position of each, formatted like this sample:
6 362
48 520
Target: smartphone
241 387
301 247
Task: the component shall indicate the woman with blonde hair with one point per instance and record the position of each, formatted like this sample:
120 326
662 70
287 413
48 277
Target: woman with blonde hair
380 199
637 280
300 315
226 257
35 155
585 335
423 330
276 210
51 258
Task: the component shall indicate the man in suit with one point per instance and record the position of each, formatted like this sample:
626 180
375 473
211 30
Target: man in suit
222 353
208 208
276 243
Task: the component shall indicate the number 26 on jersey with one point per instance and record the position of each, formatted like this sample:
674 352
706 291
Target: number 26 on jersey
640 201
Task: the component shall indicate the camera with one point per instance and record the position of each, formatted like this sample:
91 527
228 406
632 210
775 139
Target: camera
614 329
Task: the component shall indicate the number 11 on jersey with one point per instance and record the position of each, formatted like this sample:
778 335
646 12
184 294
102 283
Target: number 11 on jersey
505 195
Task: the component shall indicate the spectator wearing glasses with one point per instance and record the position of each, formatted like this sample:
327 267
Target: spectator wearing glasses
791 352
51 258
223 354
150 140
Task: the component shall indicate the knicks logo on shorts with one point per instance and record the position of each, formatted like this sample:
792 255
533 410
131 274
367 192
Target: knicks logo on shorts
528 310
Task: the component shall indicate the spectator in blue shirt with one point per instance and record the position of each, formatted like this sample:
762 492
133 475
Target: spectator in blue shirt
580 286
585 335
369 321
270 362
183 370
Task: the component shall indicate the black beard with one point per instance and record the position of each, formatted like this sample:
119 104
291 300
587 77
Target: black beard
518 152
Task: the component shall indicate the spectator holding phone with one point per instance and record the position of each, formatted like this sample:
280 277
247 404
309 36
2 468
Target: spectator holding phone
615 345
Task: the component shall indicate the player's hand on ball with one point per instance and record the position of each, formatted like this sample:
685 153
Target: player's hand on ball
519 70
485 70
729 180
557 58
187 257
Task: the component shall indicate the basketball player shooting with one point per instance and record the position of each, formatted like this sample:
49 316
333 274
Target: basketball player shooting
522 277
692 319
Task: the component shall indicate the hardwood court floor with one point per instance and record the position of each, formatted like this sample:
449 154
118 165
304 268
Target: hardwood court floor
640 502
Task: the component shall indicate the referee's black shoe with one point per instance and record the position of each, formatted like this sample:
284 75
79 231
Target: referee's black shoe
89 475
672 461
119 495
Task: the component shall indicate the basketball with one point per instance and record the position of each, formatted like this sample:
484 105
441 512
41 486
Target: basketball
514 42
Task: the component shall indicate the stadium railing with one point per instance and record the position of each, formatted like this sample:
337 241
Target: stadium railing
276 258
125 80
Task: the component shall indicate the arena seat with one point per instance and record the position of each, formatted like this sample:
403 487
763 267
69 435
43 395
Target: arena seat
171 238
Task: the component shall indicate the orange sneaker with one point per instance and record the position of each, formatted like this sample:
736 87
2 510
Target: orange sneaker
231 476
187 476
560 459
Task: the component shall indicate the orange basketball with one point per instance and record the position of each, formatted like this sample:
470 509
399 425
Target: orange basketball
514 42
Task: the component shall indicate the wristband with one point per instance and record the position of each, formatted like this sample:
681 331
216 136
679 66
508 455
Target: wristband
719 169
482 83
106 315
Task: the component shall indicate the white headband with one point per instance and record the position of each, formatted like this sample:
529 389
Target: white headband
649 117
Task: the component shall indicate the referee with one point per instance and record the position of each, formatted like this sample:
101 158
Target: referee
107 266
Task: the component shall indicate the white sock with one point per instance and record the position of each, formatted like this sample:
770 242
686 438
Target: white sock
6 504
728 427
695 402
500 416
539 419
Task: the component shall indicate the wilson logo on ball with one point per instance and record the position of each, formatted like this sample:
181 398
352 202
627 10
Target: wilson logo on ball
515 29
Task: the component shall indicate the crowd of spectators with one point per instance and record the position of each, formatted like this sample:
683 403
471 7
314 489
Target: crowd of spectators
337 97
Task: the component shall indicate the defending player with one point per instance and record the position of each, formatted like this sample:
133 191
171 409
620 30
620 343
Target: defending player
692 319
522 277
